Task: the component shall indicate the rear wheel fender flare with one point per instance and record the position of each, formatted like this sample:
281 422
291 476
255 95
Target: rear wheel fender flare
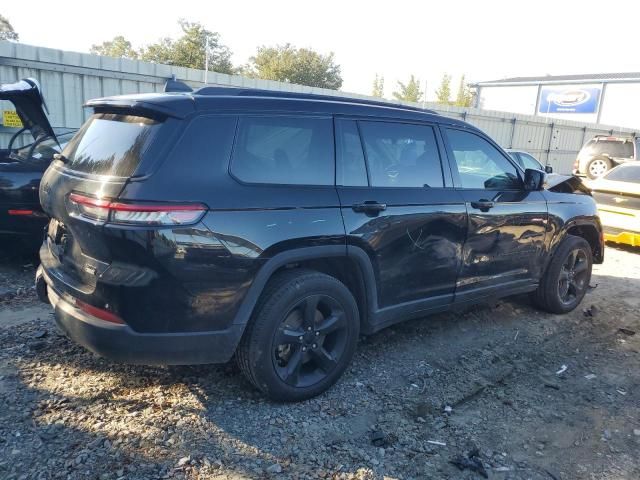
279 260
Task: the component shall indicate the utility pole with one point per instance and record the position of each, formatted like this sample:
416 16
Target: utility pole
206 59
424 95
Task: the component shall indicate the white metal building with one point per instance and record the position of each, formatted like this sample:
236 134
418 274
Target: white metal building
602 98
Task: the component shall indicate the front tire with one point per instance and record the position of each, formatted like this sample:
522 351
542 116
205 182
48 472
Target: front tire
301 337
567 278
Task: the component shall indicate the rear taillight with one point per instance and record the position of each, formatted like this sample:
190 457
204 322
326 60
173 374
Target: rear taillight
25 213
100 210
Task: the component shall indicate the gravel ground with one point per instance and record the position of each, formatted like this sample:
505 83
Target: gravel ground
505 391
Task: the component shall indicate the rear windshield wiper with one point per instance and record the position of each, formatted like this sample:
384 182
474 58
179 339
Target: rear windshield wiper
61 157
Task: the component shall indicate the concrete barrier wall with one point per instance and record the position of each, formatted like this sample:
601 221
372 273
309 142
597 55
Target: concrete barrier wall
68 79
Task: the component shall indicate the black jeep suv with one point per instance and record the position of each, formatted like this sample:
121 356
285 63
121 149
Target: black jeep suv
191 227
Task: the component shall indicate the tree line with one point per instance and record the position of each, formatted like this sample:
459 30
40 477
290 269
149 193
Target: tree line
411 91
284 63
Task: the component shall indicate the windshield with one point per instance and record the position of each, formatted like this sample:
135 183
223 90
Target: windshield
43 150
625 173
110 144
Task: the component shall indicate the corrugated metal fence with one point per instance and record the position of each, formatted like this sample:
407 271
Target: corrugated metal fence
68 79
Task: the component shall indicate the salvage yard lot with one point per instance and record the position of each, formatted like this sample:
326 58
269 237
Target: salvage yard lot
65 413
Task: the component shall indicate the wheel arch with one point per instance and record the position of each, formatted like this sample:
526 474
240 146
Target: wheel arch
590 230
593 236
350 265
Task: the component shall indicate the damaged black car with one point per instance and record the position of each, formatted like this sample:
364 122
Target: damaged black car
21 167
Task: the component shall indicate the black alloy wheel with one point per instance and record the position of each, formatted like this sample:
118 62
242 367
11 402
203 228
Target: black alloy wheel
574 276
567 277
301 337
310 341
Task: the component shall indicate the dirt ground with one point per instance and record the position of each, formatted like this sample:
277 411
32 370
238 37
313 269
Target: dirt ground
505 391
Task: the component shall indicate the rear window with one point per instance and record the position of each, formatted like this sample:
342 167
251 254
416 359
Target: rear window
625 173
613 148
110 144
284 150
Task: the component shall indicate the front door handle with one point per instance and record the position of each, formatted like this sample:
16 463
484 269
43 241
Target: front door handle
370 207
483 205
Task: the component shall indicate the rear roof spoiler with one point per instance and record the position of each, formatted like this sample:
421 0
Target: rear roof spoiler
171 109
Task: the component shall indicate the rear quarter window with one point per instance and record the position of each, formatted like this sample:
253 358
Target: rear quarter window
284 150
111 144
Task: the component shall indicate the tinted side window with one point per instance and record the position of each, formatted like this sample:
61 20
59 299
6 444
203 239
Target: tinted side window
284 150
480 164
516 158
401 155
530 162
351 170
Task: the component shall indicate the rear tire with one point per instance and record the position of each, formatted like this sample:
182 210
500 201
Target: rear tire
597 167
567 278
301 337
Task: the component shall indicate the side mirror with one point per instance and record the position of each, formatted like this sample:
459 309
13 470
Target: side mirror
548 169
533 179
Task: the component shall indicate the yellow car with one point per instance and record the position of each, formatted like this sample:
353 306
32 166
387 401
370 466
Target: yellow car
617 194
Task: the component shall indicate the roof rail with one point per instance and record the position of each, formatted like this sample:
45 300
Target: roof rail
257 92
173 85
607 135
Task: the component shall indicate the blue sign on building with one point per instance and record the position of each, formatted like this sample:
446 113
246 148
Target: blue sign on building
569 99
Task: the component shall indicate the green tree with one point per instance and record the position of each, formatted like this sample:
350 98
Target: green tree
6 30
118 47
191 49
378 86
409 92
464 97
286 63
443 94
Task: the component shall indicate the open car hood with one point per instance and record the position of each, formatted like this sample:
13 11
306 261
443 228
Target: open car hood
555 182
27 99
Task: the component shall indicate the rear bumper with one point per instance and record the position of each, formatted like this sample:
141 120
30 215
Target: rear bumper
122 344
621 236
620 225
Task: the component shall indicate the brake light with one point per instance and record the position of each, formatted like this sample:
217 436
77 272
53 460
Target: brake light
134 213
100 313
21 212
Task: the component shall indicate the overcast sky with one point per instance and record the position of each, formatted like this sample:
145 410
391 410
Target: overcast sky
485 40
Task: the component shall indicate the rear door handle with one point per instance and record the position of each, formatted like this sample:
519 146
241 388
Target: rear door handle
370 207
483 205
